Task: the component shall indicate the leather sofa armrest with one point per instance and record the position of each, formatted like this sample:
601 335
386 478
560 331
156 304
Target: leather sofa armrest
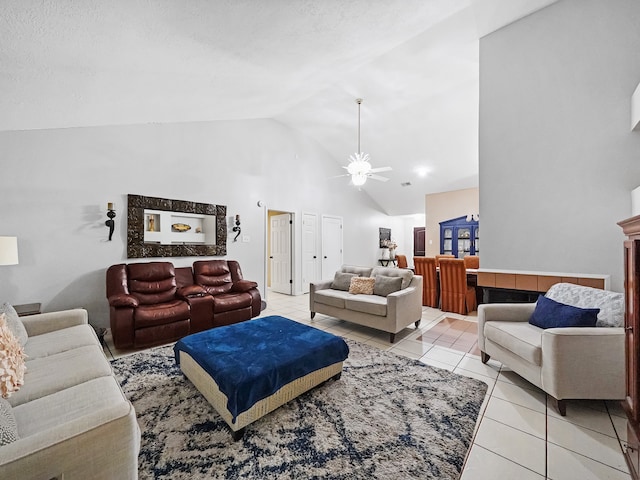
242 286
123 300
190 291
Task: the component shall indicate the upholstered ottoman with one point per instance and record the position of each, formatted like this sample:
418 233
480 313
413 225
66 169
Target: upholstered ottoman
249 369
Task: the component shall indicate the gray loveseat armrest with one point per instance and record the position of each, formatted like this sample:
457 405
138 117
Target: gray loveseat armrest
52 321
314 287
504 312
406 303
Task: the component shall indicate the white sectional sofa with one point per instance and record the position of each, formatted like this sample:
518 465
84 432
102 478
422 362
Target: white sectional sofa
73 420
390 313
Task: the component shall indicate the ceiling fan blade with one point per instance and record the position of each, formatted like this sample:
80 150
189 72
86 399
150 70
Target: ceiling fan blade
380 169
378 177
343 175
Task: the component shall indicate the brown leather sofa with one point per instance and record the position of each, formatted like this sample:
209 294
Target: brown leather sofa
153 303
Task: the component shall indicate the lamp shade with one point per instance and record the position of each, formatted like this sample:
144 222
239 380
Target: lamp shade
8 250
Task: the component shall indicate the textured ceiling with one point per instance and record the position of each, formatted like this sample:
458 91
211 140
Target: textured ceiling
68 63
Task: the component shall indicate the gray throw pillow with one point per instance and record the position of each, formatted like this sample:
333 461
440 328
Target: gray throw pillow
342 281
8 426
14 323
386 285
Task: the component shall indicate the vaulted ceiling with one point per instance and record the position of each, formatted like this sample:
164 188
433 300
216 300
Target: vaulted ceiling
67 63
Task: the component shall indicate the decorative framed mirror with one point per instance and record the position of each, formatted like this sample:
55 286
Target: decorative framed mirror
161 227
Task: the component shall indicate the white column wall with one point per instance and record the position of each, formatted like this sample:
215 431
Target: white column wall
557 158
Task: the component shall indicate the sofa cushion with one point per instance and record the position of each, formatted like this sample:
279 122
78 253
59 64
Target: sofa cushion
226 302
359 271
342 281
63 370
161 313
386 285
12 364
93 403
333 298
611 304
520 338
8 426
371 304
550 314
15 324
58 341
362 285
403 273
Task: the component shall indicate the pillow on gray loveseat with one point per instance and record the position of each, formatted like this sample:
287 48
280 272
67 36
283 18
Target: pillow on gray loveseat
385 285
342 281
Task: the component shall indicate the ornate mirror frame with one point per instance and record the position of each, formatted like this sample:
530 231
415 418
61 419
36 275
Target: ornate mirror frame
136 248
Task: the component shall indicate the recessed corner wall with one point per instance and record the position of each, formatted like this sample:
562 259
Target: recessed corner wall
445 206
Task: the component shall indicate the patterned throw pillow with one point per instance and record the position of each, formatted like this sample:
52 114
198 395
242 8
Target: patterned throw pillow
15 324
12 364
8 426
362 285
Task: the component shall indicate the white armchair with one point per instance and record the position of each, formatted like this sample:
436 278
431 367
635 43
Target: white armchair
567 363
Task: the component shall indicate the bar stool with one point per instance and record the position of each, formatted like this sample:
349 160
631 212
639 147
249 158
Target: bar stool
455 295
426 267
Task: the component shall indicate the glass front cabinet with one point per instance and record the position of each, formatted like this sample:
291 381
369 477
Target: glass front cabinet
459 237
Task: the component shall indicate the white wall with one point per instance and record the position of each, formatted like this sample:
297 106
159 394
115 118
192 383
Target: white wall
557 158
56 185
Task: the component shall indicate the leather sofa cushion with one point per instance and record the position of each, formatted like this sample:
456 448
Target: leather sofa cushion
152 282
520 338
213 275
371 304
161 313
333 298
226 302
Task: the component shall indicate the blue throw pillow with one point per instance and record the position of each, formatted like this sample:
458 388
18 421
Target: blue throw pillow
551 314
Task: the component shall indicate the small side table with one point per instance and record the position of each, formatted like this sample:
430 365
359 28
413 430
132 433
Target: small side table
27 309
385 261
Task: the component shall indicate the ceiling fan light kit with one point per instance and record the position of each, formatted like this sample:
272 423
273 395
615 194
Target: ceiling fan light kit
359 166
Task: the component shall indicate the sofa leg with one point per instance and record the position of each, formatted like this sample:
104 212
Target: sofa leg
484 357
561 405
418 323
392 337
313 314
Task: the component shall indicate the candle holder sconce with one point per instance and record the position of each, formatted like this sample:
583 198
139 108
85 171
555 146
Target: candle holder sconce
237 228
111 213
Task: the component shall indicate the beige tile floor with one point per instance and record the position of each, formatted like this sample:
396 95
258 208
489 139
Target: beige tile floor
519 434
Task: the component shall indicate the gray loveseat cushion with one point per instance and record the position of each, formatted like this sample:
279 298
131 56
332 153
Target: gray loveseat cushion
403 273
342 281
386 285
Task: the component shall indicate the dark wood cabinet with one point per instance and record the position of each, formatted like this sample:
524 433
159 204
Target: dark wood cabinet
631 403
460 237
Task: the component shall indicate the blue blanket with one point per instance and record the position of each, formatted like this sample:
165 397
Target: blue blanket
252 360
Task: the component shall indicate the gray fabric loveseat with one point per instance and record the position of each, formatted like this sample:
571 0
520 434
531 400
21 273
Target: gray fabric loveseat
72 419
395 303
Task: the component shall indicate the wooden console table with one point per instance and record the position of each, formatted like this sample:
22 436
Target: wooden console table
530 283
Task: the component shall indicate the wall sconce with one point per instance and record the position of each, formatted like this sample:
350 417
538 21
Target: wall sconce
237 228
111 213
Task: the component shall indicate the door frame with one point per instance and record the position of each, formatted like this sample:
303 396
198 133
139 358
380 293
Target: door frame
294 264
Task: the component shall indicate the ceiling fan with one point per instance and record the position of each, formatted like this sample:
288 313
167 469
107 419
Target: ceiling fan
359 166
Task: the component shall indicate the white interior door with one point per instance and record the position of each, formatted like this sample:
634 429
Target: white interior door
281 276
331 245
310 250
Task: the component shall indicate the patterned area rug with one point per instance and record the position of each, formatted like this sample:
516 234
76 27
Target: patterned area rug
388 417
